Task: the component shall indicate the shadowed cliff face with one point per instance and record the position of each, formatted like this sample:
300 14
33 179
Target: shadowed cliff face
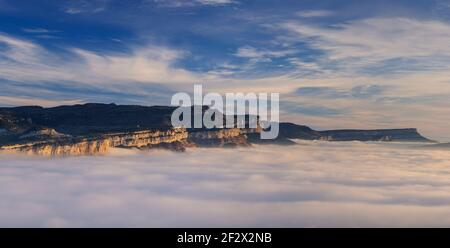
88 118
93 129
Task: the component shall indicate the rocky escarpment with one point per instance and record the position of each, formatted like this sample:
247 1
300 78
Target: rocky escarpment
86 119
177 139
288 132
63 148
400 135
98 144
223 137
95 128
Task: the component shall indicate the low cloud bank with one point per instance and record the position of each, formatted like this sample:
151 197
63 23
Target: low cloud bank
312 184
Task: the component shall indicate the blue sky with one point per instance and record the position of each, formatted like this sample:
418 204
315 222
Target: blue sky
354 64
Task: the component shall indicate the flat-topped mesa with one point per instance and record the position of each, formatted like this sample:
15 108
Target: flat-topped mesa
87 119
289 131
400 135
92 129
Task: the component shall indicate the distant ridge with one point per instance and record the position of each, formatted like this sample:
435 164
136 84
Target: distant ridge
405 135
92 128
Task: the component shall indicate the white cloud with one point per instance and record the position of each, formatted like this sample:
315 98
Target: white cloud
39 30
410 57
85 6
26 61
314 13
73 11
253 53
23 101
192 3
378 39
215 2
355 53
313 184
149 64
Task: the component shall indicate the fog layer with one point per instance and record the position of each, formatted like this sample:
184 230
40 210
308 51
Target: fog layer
312 184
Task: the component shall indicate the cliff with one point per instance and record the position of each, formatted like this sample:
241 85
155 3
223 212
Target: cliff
98 144
174 139
86 119
400 135
92 129
222 137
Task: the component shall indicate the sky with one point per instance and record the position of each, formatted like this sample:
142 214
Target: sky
312 184
337 64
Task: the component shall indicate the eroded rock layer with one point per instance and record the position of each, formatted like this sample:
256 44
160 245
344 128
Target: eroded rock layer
92 129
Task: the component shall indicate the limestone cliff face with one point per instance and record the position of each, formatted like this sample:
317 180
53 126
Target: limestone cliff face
221 133
222 137
92 129
84 147
145 138
99 145
174 139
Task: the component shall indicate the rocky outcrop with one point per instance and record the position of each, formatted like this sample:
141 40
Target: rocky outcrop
400 135
222 137
61 148
99 144
177 139
92 129
294 131
290 131
146 138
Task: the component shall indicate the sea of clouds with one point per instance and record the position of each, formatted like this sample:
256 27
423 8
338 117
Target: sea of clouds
311 184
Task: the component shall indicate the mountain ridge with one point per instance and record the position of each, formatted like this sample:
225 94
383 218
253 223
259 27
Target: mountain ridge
93 128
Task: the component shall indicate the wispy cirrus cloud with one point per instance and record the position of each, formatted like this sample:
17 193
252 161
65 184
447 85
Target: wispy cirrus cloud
31 72
85 6
34 101
406 59
39 31
36 63
193 3
314 13
359 91
361 43
261 54
30 63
